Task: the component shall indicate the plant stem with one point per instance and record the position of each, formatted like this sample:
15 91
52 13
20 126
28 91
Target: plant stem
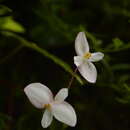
72 79
11 54
45 53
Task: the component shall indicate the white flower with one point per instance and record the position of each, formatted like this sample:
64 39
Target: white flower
41 97
84 59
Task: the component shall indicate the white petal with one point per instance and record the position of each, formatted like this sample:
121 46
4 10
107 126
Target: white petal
88 71
61 95
47 119
78 60
96 56
38 94
81 44
65 113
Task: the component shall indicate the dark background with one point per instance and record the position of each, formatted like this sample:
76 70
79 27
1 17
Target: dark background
52 25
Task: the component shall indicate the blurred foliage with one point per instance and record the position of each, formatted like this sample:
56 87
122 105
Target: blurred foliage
7 23
37 45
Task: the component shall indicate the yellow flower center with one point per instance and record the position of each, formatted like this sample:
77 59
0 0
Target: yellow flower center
87 55
47 106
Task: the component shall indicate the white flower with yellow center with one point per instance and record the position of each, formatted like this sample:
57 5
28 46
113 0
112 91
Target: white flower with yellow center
41 97
84 59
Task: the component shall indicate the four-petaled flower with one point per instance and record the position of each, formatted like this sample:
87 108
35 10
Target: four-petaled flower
84 59
41 97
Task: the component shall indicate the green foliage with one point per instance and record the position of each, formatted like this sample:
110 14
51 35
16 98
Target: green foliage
4 10
7 23
37 40
3 119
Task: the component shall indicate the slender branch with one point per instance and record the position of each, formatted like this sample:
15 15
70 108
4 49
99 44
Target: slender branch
45 53
11 54
72 79
117 50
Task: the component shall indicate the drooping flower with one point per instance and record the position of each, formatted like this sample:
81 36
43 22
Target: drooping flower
84 58
41 97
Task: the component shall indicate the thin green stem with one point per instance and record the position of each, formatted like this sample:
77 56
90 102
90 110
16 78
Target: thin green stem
45 53
11 54
72 79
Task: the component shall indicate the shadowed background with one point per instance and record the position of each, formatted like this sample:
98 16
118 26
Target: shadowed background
37 45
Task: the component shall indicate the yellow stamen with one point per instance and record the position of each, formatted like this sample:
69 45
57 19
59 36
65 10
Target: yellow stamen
87 55
47 106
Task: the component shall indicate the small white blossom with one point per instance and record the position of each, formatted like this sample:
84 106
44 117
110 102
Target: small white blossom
41 97
84 58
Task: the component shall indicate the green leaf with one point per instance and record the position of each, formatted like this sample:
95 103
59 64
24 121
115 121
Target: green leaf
117 43
8 23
